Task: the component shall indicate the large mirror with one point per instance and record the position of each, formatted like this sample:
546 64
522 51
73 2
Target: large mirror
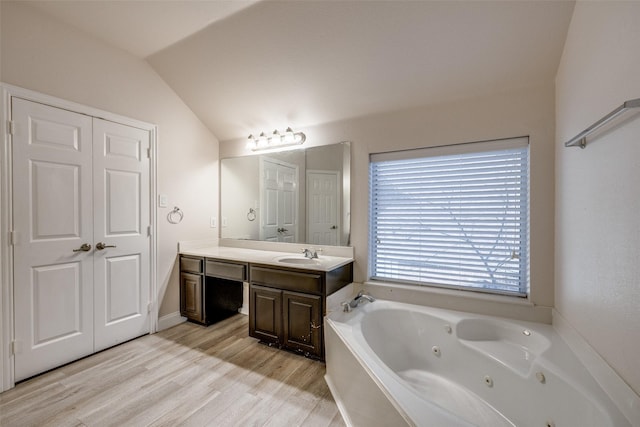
297 196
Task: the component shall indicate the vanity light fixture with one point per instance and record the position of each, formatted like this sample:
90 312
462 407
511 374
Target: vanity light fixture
276 140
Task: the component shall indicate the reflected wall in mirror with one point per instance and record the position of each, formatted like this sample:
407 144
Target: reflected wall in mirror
297 196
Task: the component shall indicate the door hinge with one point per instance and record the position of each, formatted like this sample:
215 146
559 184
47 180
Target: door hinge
11 127
149 230
149 307
16 347
148 153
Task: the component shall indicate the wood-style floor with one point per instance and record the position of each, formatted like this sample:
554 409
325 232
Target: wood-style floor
188 375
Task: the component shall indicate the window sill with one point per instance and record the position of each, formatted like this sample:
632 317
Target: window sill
513 307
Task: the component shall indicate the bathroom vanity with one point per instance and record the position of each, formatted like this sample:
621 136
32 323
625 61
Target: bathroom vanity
287 305
287 292
210 289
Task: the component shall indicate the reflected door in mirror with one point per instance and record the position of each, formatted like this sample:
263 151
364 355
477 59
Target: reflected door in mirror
279 201
323 209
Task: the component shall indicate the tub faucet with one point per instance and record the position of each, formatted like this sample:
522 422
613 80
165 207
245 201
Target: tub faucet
348 305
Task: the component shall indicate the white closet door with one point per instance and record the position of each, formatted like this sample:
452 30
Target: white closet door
323 210
53 216
279 198
288 203
122 218
270 195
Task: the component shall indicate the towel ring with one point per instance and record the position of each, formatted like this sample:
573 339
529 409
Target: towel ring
175 216
251 216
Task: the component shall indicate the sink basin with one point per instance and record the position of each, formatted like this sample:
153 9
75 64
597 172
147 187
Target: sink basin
297 260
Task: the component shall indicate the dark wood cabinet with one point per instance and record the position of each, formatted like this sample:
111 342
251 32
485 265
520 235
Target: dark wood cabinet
302 321
265 314
191 288
191 296
287 305
210 289
288 319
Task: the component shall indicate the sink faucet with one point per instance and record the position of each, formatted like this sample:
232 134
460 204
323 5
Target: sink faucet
349 305
310 253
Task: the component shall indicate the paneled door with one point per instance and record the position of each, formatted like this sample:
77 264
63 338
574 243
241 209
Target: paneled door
79 184
323 208
121 232
279 198
53 237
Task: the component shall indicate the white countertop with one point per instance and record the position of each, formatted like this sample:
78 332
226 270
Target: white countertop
280 259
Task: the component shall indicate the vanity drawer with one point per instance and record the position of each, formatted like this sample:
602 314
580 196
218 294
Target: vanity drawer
226 270
192 265
288 280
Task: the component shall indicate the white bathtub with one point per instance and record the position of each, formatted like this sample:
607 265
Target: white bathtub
391 364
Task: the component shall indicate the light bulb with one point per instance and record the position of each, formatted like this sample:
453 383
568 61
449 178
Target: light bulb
251 143
263 141
289 137
276 138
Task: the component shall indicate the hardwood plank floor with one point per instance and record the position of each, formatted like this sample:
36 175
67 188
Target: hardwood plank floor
188 375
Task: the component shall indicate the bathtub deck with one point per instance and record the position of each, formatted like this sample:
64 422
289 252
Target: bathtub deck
185 375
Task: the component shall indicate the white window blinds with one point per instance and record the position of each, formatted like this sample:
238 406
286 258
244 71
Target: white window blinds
452 216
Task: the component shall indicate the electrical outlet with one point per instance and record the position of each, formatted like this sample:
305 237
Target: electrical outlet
224 221
213 222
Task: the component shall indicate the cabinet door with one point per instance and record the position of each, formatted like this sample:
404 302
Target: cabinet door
191 296
265 314
303 322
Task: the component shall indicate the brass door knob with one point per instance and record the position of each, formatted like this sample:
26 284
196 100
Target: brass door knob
100 246
84 248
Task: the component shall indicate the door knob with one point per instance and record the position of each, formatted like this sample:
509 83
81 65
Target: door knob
100 246
84 248
334 227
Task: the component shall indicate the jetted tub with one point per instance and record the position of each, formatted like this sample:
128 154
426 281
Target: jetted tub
393 364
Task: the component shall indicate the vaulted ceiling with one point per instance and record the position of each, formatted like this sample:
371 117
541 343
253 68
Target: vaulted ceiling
248 66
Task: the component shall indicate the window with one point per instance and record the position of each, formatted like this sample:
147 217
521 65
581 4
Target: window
454 216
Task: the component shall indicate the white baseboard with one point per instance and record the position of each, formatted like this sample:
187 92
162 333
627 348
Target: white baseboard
169 320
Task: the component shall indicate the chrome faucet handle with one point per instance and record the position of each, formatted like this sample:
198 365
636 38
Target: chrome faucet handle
361 295
309 253
346 306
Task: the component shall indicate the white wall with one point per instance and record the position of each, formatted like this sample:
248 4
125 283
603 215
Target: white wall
522 112
597 199
40 54
241 191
